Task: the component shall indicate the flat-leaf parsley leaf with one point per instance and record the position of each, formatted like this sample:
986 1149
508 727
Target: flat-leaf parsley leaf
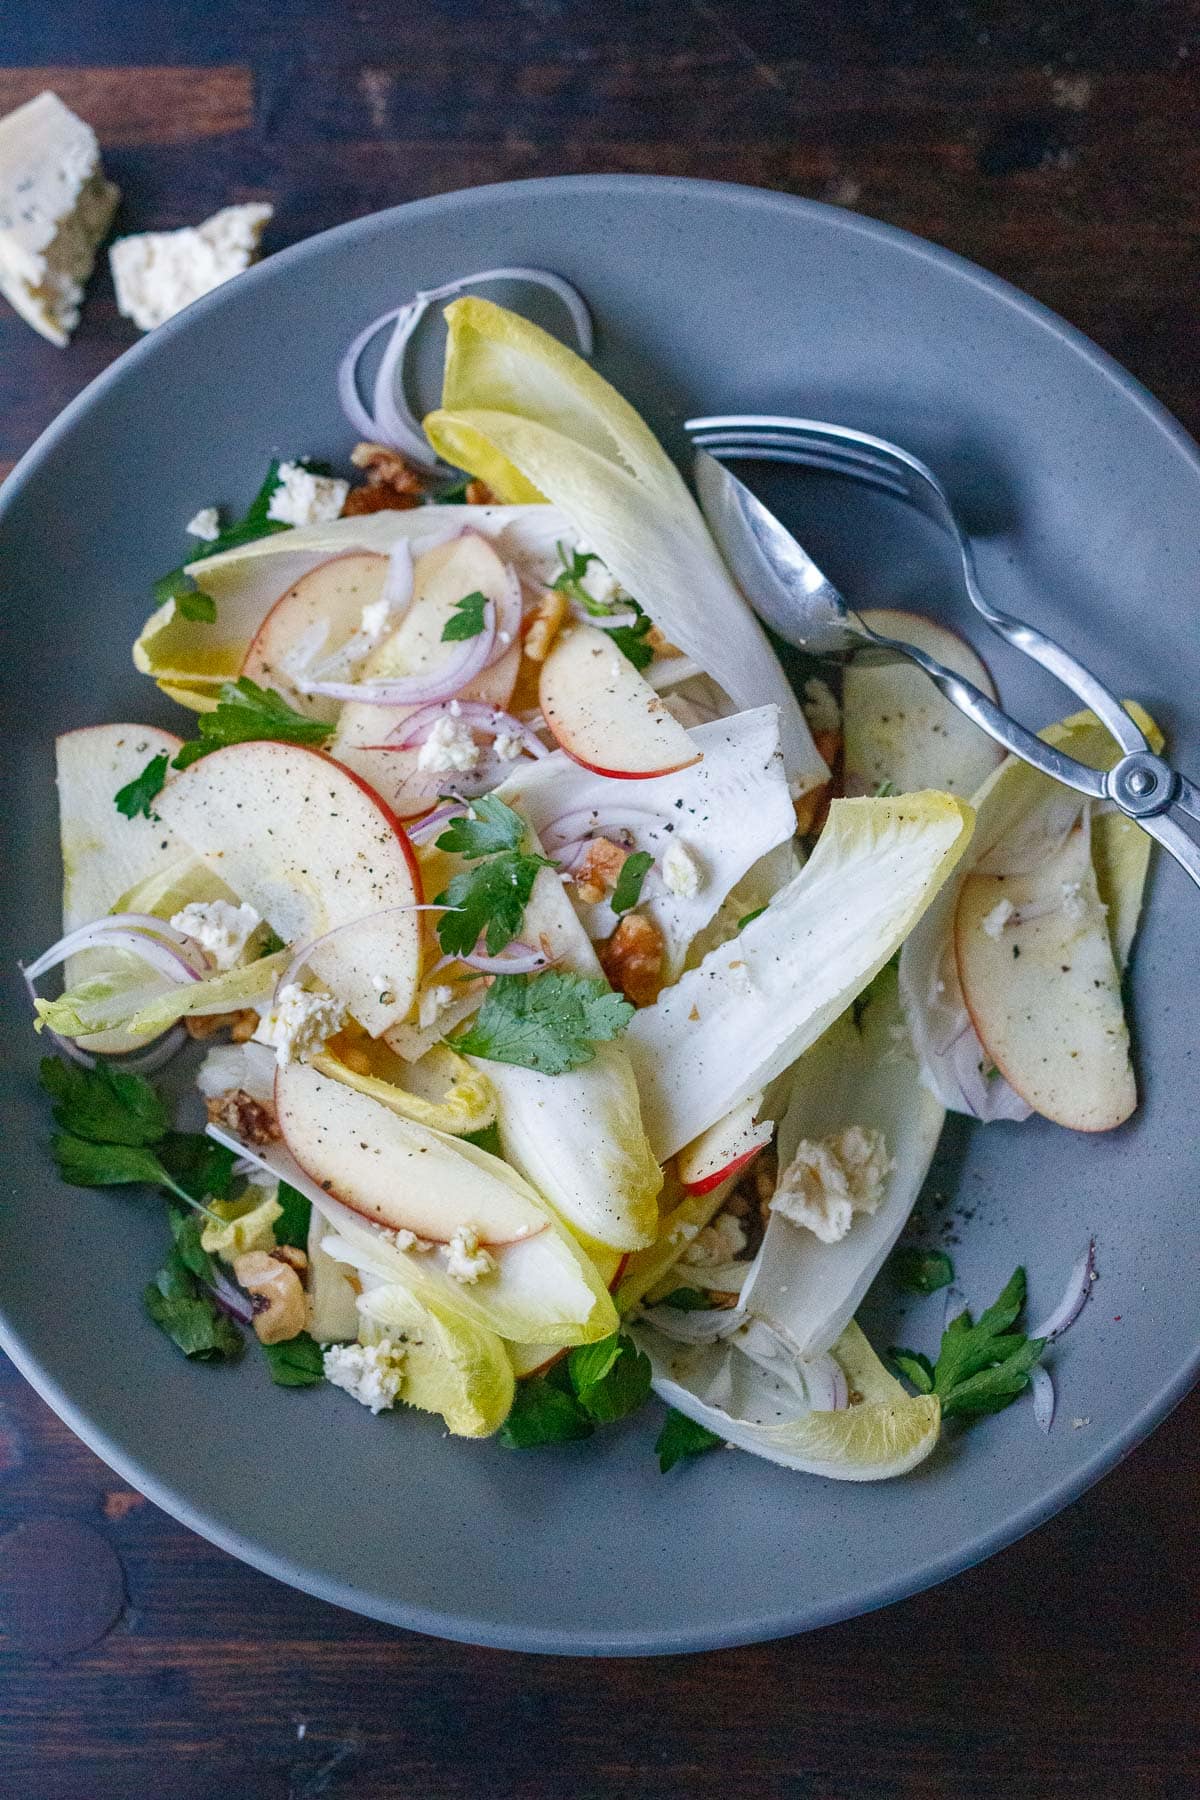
137 795
981 1368
681 1437
549 1022
467 620
634 871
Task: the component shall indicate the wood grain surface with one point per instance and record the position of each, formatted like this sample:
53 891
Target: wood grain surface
1056 145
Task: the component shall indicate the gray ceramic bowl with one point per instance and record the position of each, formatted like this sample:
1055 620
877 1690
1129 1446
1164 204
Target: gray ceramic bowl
707 299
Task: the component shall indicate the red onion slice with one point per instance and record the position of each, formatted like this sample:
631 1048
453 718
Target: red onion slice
392 421
515 959
434 821
469 659
414 730
1079 1286
230 1299
170 951
1042 1388
585 821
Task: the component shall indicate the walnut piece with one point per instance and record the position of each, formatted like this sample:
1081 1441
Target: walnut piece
598 870
479 494
632 958
392 484
280 1309
240 1025
545 624
251 1120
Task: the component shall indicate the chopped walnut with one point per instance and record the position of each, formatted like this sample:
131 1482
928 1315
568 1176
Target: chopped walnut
206 1025
291 1255
632 958
598 869
251 1120
812 809
545 624
479 494
392 484
279 1305
244 1026
661 646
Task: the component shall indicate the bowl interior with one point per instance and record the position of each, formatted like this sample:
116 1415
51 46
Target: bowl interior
1084 496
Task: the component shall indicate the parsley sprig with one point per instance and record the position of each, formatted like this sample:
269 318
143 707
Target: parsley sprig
917 1271
467 620
115 1131
981 1368
596 1385
489 900
682 1437
549 1022
634 871
628 639
245 713
180 1301
255 523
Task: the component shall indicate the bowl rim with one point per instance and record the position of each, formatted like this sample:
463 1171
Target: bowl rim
457 1626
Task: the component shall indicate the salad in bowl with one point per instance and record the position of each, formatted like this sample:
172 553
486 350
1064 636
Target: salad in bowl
574 1005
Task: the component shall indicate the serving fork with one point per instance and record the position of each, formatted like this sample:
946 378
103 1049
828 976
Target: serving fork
791 595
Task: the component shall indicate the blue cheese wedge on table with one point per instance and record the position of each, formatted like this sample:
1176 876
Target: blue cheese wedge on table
158 273
55 208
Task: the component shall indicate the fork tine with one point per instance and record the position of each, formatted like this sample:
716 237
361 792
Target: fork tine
865 470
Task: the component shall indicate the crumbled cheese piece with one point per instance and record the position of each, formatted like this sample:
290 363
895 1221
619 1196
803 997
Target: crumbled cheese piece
1073 903
998 918
721 1242
372 1373
300 1024
158 273
449 746
507 746
220 928
680 871
682 1233
432 1004
55 208
374 619
599 584
1078 1424
465 1260
205 524
826 1183
303 498
820 706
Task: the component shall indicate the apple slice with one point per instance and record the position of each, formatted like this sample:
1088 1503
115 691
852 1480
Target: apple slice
898 728
105 854
394 1172
604 714
333 594
725 1149
1043 990
310 847
442 576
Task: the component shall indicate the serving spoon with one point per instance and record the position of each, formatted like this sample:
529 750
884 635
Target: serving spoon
801 605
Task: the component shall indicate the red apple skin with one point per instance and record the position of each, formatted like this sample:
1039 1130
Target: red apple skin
709 1182
622 774
255 663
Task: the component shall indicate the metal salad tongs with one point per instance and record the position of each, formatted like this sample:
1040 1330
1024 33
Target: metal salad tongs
792 596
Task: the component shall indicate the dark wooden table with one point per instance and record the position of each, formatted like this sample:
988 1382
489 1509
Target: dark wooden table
1054 144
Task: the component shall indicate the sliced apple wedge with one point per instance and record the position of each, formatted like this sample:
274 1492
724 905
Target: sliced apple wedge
604 714
394 1172
898 728
442 576
725 1149
104 854
310 847
331 595
544 1289
1039 980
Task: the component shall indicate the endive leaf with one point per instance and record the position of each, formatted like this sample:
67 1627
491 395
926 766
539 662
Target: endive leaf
863 1074
886 1432
755 1004
528 416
